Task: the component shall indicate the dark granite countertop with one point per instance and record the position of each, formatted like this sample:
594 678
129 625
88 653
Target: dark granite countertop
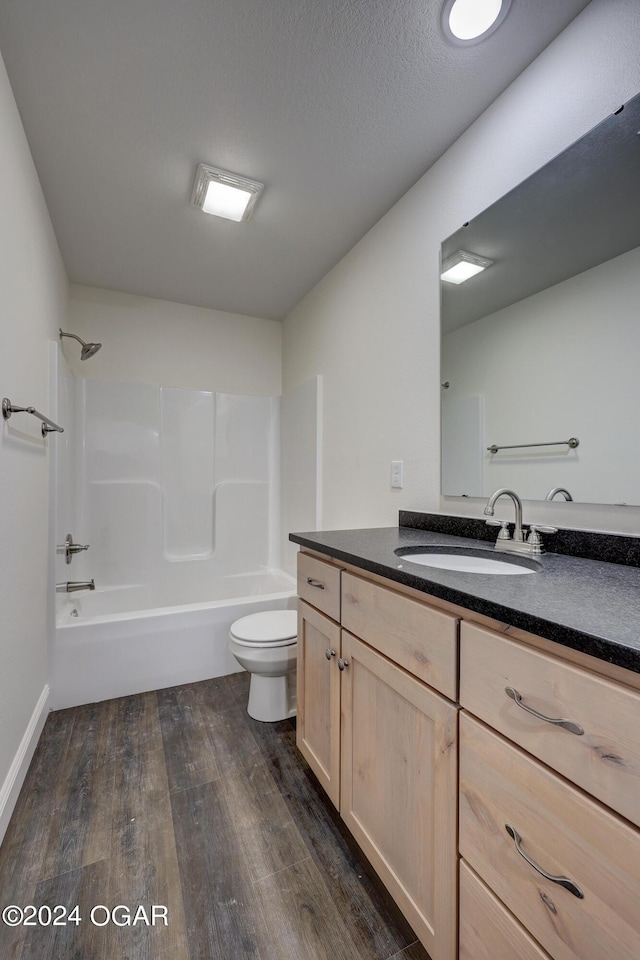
589 605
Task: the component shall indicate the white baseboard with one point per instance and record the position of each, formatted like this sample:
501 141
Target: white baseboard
18 769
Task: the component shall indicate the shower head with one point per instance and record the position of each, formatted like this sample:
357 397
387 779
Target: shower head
88 349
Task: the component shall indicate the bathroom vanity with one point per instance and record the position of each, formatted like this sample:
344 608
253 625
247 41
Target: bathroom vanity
480 736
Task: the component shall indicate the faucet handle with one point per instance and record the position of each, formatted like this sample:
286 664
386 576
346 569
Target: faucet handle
504 528
534 539
69 548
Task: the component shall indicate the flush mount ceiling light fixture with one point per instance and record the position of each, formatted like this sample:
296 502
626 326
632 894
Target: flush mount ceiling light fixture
462 266
225 194
469 21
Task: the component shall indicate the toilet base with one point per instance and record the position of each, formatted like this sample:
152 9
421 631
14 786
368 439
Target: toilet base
271 698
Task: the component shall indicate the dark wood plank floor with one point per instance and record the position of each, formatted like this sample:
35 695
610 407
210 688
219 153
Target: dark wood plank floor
177 798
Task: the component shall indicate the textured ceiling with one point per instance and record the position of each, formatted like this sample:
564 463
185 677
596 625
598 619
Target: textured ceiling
338 106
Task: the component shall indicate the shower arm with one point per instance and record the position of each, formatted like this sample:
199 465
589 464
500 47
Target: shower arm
74 336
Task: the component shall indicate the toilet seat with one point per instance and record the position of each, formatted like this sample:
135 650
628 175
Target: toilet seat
272 628
264 644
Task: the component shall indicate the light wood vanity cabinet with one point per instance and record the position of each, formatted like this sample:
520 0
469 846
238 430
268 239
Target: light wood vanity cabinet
383 743
319 647
520 817
318 721
382 736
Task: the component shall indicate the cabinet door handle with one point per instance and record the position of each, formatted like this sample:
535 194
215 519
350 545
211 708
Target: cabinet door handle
561 722
329 653
315 583
562 881
342 664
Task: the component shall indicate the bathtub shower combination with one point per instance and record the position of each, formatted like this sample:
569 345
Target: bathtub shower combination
177 494
101 654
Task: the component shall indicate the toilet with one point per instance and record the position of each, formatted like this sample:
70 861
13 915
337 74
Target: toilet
265 644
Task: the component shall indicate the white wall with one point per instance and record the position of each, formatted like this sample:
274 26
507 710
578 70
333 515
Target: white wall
371 326
33 291
560 364
171 344
301 465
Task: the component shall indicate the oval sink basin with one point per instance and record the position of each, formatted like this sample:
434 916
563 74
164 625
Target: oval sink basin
470 562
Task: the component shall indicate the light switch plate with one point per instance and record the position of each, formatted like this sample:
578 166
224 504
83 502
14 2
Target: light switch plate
397 469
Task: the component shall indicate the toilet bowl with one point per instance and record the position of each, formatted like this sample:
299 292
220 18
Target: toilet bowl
265 644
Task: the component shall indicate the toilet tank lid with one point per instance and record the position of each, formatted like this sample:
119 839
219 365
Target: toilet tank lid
267 626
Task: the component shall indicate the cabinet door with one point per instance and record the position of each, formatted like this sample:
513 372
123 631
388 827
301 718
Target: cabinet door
318 720
398 788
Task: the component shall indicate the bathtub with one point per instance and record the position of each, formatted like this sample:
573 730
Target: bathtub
119 641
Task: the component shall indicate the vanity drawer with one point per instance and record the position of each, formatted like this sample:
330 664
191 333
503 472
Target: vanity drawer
487 930
319 585
422 640
604 759
563 831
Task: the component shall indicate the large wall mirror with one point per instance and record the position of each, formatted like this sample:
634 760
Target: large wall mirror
543 346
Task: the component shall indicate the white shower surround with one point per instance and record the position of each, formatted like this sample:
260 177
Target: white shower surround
177 492
170 479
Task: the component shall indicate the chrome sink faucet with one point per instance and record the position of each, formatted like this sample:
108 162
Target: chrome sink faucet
556 490
533 544
517 502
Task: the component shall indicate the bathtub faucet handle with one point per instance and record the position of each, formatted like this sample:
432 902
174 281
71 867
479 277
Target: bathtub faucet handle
69 548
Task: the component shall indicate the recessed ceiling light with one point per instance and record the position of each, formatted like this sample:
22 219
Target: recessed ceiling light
225 194
462 266
469 21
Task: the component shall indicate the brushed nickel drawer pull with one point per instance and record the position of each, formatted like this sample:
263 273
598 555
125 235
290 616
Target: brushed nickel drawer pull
567 724
315 583
562 881
342 663
329 653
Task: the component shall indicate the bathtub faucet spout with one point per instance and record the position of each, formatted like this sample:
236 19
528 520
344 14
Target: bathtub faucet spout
72 586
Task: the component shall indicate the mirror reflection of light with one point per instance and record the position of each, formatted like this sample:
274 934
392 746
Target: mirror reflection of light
461 272
470 19
462 266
